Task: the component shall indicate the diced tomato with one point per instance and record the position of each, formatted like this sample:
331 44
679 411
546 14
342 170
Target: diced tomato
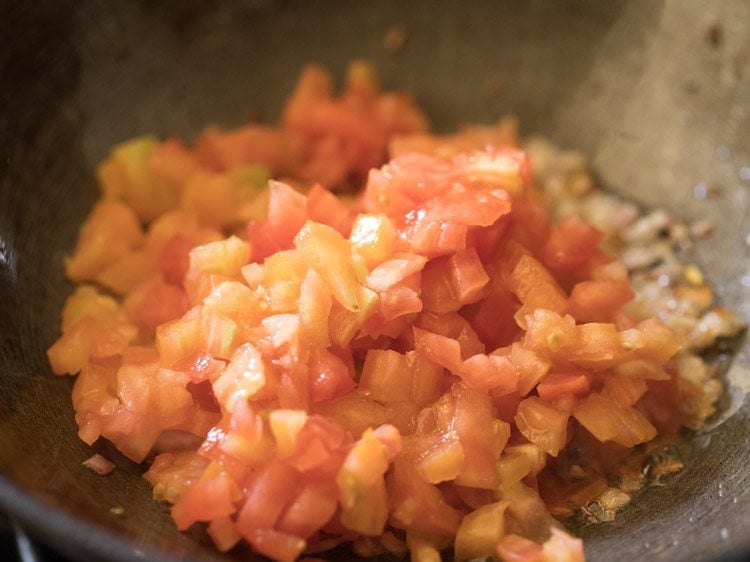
268 491
275 544
252 144
661 342
329 377
393 271
243 378
399 301
493 318
482 449
556 385
597 301
467 276
530 281
417 505
392 369
206 500
444 351
570 244
480 532
438 294
598 346
223 533
514 548
519 461
174 260
155 302
311 509
489 372
326 251
541 424
111 230
531 367
386 376
324 207
364 502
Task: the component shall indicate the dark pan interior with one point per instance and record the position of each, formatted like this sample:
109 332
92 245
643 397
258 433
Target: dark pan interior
656 92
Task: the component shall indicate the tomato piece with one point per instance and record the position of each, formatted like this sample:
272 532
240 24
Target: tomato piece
489 372
529 225
395 270
110 231
625 391
311 509
223 533
326 251
558 384
373 237
267 492
399 301
519 461
444 351
437 289
542 424
530 281
427 379
417 505
206 500
480 532
553 335
493 318
467 276
386 376
287 210
561 546
531 367
444 461
468 207
243 378
275 544
362 492
592 301
155 302
515 548
661 343
481 447
174 259
571 244
598 347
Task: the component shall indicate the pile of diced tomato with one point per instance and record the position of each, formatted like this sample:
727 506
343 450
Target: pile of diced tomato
404 368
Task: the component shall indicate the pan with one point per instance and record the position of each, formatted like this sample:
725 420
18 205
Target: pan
656 92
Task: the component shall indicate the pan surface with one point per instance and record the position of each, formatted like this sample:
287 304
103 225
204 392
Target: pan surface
657 93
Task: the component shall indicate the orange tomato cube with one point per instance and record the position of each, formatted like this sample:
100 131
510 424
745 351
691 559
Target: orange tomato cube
480 532
542 424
